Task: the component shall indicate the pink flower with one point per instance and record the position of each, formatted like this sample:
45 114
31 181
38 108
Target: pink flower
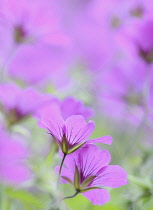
122 93
88 171
71 106
13 153
67 107
34 43
72 133
18 103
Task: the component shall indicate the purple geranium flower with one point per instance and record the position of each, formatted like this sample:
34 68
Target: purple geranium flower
13 170
122 95
72 133
67 107
18 103
88 171
32 40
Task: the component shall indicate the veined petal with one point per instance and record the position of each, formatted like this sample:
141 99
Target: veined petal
97 196
111 176
77 130
54 125
104 139
92 159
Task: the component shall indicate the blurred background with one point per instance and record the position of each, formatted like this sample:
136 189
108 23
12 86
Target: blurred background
89 57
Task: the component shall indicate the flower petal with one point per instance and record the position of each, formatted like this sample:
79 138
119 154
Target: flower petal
111 176
92 159
71 106
52 121
97 196
77 130
104 139
9 95
15 173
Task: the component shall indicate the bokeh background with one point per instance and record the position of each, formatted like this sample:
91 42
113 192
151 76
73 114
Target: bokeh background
89 57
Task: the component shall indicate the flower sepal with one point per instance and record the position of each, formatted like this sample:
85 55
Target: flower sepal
65 145
73 149
67 179
86 182
77 178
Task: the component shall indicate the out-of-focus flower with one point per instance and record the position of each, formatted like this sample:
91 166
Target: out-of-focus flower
93 24
34 43
13 169
19 103
67 107
88 171
141 32
124 91
72 133
71 106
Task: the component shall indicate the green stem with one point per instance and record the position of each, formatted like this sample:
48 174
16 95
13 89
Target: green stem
61 167
72 196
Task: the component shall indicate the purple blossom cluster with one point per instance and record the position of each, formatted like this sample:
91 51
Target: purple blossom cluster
17 104
63 63
114 46
88 169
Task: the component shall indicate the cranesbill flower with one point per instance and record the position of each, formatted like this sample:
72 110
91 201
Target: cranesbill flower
88 171
34 43
67 107
18 103
72 133
13 169
122 95
141 32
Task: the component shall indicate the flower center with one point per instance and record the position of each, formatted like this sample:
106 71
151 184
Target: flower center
137 12
146 55
19 34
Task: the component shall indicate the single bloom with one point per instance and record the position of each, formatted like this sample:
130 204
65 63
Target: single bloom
72 133
18 103
88 171
123 94
13 153
34 44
